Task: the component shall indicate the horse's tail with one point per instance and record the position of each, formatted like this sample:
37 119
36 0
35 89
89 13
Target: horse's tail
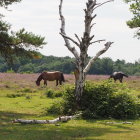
62 77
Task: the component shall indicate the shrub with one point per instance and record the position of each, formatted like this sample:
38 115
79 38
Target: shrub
124 106
56 108
49 93
103 100
54 93
58 93
26 90
69 104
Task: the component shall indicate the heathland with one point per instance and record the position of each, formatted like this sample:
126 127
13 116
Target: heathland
21 98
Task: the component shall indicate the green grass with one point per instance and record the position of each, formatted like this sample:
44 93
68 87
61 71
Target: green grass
33 105
34 108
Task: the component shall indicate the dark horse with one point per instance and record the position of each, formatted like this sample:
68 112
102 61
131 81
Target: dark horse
50 76
118 76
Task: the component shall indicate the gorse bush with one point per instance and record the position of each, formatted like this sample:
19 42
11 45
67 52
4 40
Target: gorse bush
103 100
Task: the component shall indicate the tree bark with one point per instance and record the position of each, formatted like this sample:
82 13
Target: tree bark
79 85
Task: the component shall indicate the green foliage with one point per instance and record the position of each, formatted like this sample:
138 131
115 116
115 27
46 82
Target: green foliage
21 43
27 90
56 108
30 38
102 66
135 21
49 93
103 100
5 3
14 95
69 104
124 106
10 71
52 93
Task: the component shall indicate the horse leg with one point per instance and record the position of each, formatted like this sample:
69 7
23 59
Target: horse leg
56 82
45 82
120 80
60 82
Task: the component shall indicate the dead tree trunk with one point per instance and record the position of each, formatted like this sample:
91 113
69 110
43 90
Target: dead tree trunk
83 44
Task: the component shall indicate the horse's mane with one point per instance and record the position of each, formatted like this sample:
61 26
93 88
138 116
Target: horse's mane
39 78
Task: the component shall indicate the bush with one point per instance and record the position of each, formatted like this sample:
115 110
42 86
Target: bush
103 100
124 106
50 93
56 108
26 90
69 104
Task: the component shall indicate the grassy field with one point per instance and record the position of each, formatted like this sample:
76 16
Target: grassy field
21 98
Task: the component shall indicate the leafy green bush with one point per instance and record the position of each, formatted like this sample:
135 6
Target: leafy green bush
103 100
56 108
58 93
26 90
124 106
69 104
51 93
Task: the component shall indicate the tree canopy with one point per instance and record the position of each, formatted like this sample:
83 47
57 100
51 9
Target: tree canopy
20 43
135 21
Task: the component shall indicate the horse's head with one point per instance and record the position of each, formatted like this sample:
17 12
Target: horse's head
111 76
37 83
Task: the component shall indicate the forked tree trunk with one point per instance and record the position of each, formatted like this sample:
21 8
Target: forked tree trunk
83 43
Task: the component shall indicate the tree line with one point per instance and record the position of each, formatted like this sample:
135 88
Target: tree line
102 66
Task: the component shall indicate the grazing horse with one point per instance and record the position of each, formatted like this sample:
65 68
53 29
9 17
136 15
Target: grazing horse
118 76
50 76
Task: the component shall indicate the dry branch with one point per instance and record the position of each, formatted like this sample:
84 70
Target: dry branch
98 5
65 37
70 39
59 119
92 60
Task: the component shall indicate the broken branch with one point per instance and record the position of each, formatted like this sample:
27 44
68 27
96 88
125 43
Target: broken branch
62 32
92 60
70 39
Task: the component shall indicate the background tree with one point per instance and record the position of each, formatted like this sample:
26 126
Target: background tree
20 43
83 43
135 21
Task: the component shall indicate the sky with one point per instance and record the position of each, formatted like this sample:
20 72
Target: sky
42 17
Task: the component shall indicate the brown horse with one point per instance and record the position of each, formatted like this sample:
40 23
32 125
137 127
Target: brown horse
118 76
50 76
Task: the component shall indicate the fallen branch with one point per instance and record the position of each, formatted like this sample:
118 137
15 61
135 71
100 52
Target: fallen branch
119 122
59 119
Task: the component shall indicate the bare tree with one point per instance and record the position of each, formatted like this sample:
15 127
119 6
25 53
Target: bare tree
83 43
